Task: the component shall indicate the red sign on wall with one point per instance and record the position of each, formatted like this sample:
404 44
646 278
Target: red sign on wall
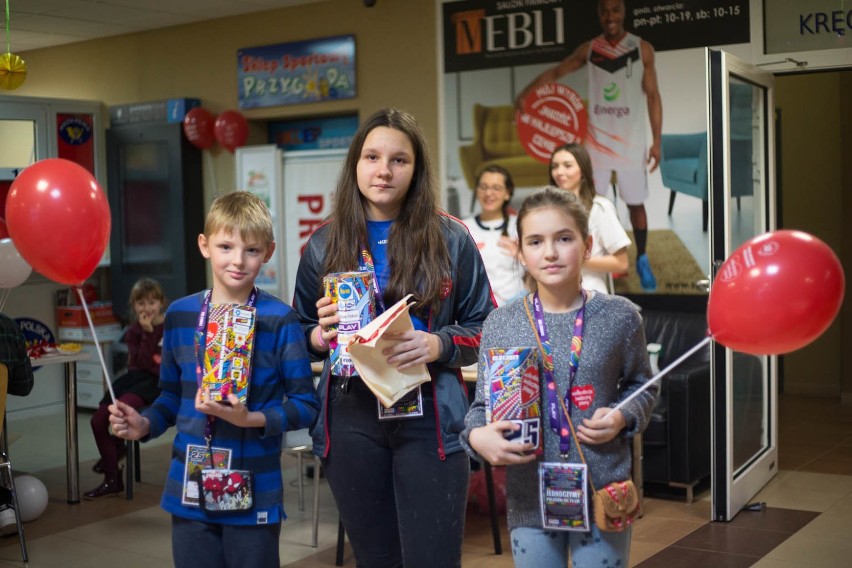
75 140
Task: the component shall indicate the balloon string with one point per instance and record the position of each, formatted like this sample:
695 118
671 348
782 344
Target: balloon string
659 375
211 171
4 295
107 378
8 41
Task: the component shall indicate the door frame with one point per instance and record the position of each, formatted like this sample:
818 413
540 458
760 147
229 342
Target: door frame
732 487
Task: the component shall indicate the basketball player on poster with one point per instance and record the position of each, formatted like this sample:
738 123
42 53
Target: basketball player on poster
622 80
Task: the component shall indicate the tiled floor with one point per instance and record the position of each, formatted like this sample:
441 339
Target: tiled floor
806 523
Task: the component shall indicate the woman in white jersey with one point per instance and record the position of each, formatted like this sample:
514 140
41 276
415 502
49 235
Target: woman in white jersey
571 170
496 234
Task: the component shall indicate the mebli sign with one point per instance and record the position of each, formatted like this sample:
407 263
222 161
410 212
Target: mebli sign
499 33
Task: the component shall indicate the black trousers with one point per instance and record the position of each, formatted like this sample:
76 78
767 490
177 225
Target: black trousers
400 503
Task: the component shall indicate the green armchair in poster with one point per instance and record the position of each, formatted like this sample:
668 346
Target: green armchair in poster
495 141
683 167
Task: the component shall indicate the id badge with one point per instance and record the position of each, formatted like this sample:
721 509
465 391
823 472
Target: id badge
409 406
563 496
197 459
226 490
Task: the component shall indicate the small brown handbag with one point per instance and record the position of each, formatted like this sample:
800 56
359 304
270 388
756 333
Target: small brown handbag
616 506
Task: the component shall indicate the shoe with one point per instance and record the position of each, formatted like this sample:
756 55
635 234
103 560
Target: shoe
646 276
106 489
8 524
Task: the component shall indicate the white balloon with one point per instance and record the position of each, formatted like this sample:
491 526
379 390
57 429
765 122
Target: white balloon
14 270
32 497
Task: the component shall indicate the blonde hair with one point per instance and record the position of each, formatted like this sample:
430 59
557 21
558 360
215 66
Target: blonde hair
240 212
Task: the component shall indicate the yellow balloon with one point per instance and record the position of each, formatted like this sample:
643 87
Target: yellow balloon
13 71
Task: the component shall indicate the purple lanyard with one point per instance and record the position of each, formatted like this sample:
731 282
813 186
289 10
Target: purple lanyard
559 419
201 339
367 265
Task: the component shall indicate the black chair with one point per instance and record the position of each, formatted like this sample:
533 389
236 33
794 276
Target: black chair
134 468
118 360
7 480
298 443
489 483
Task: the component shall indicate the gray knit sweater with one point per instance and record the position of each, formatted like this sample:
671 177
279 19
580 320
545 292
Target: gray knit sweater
614 361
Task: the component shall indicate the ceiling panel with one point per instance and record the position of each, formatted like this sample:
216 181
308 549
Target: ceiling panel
37 24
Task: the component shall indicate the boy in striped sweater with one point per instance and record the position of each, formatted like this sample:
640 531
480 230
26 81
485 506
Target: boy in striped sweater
237 241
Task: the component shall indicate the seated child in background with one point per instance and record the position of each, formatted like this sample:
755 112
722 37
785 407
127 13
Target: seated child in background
138 387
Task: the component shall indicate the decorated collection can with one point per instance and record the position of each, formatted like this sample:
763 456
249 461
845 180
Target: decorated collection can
356 307
514 389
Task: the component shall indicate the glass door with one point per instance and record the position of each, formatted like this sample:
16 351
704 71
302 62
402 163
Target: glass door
156 198
742 205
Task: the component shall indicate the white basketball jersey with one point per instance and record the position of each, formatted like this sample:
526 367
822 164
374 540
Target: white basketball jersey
617 105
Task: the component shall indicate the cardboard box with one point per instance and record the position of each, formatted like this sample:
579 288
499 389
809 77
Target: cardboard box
75 316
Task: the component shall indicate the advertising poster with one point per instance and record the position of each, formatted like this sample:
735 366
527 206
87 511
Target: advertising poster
624 79
295 73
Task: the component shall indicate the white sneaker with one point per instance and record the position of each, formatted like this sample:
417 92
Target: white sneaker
8 525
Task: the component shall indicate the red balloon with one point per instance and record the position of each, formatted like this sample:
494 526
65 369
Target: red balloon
59 220
231 129
198 127
4 232
775 294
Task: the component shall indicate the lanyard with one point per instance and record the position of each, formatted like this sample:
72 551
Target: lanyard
560 421
367 265
201 353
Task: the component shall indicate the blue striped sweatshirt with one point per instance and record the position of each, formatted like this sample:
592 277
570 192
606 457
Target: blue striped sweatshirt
281 388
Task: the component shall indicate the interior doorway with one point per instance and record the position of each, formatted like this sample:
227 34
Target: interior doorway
814 155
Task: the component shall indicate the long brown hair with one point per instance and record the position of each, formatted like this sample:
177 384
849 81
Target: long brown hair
417 251
587 179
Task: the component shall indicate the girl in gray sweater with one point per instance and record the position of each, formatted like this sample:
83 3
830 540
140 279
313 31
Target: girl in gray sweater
613 362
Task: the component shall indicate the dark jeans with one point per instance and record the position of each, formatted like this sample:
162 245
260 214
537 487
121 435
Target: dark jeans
401 505
195 543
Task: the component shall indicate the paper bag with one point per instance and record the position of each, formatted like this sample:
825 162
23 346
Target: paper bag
365 348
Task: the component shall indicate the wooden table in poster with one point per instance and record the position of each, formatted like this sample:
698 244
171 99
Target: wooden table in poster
72 456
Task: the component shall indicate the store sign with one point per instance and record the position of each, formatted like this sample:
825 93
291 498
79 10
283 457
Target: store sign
321 133
296 73
489 34
806 26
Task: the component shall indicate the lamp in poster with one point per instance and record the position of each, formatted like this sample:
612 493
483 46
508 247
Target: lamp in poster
298 72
